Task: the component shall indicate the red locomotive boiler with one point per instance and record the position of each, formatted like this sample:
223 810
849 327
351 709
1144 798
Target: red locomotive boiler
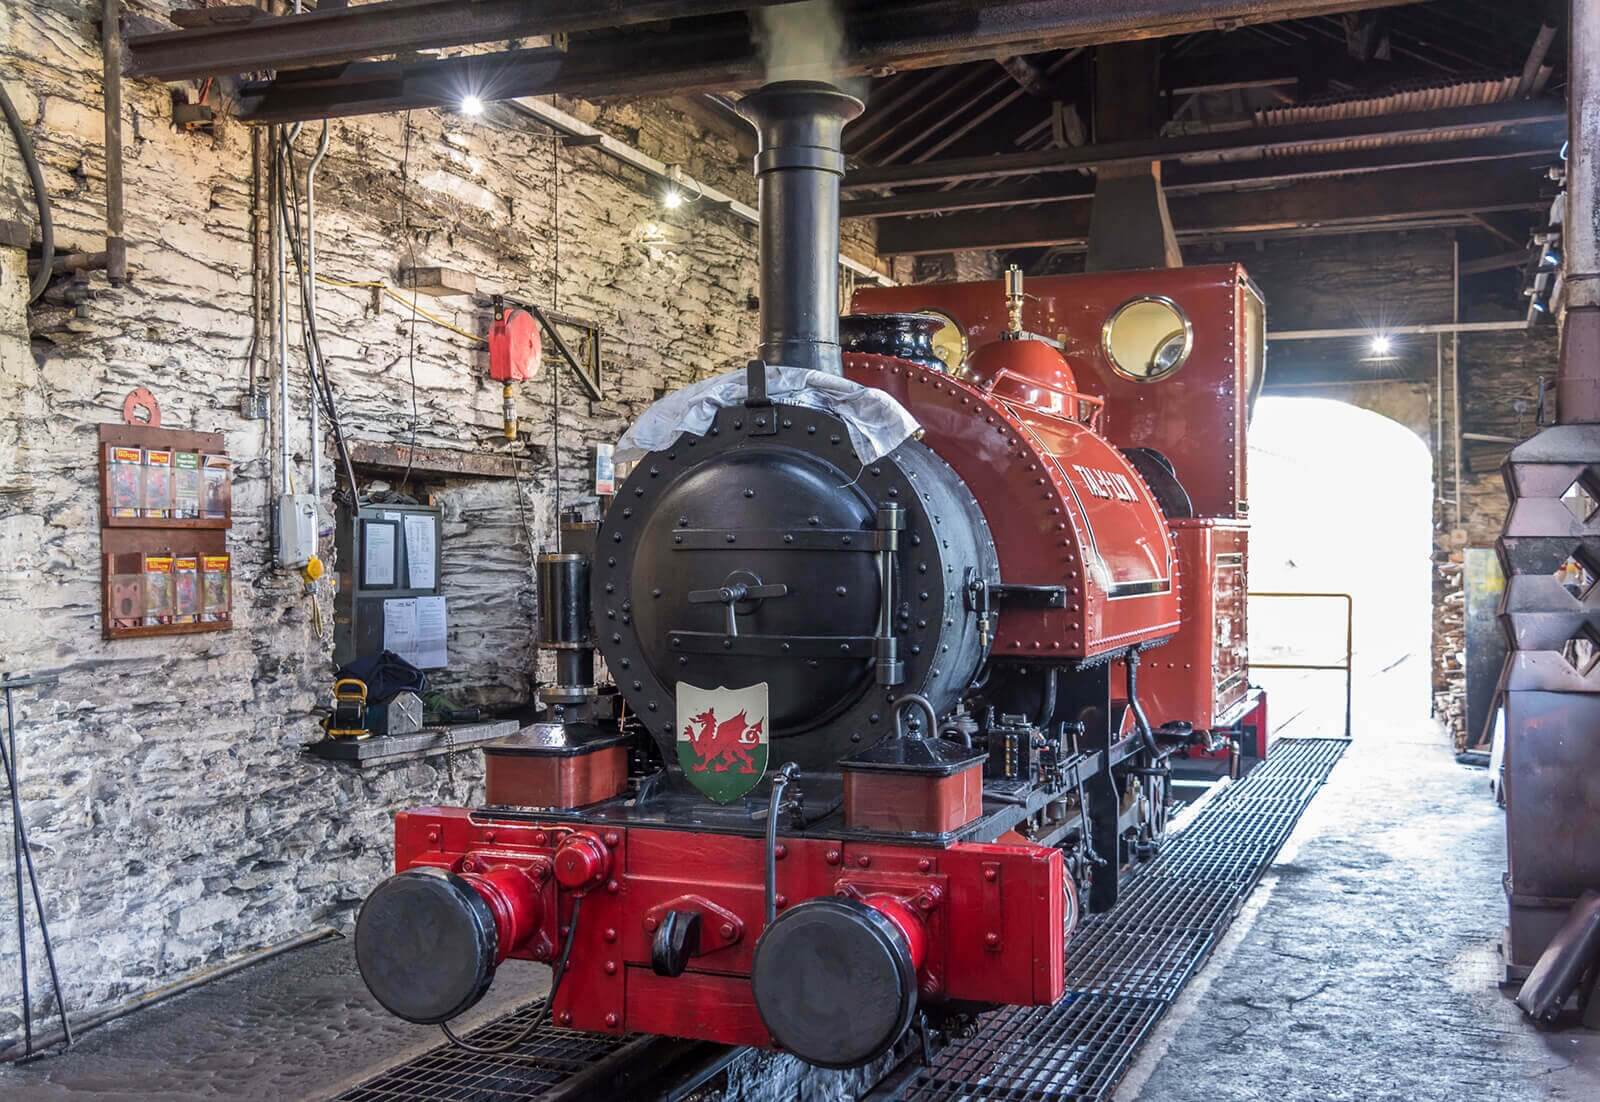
902 640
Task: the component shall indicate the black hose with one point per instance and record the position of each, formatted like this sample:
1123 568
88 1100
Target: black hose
41 199
780 781
549 1009
1047 707
1146 735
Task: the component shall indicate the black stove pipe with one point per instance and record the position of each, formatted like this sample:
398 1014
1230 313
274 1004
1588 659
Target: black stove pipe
800 124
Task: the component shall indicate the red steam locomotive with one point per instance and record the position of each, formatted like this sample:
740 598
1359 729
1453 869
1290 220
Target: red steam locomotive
901 658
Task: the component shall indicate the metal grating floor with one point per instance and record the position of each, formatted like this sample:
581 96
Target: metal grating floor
1126 967
532 1069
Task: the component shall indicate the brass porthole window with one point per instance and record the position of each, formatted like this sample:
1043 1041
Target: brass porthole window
949 340
1147 338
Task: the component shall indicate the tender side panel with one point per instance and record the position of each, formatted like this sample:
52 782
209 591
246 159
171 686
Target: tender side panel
1201 676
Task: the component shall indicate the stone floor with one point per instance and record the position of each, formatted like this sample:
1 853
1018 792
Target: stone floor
1365 965
1363 968
297 1026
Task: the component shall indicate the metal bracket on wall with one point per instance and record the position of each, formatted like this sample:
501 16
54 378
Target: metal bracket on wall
588 364
588 369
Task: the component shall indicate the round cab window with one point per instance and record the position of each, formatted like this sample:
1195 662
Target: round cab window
949 340
1148 338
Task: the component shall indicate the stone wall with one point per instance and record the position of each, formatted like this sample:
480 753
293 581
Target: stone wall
175 818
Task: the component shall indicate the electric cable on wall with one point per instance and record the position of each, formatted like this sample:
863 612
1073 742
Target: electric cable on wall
41 198
411 254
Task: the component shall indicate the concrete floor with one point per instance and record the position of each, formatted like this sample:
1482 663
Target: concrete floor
1365 965
297 1026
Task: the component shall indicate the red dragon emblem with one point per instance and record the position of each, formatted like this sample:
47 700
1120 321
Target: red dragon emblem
720 745
722 738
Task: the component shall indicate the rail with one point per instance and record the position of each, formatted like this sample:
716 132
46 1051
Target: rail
1349 647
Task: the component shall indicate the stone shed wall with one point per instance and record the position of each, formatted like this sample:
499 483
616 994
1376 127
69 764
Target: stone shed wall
175 819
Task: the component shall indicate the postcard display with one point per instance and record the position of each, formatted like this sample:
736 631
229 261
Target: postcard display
166 504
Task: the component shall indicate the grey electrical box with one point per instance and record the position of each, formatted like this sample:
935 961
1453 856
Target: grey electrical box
389 596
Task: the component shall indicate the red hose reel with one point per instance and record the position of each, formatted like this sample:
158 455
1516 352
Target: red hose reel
514 345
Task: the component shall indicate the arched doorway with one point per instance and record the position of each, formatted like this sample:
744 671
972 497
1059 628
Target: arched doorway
1341 501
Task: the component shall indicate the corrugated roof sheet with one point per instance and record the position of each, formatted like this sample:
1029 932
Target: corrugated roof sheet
1432 96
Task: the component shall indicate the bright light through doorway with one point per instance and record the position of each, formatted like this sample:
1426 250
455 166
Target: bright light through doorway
1341 500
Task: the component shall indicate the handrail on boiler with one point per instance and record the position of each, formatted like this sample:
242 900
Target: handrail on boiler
1349 648
1095 406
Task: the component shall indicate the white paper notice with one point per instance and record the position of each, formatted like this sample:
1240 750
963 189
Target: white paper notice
400 627
432 627
380 554
421 542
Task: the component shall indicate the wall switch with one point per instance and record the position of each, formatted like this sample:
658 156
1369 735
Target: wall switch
297 530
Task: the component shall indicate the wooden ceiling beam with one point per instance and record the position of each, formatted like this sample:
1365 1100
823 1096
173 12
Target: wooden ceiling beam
1189 179
1255 141
1404 197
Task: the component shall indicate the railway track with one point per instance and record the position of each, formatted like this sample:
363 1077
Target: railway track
1124 970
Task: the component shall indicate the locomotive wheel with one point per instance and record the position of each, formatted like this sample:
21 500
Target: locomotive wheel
425 944
834 982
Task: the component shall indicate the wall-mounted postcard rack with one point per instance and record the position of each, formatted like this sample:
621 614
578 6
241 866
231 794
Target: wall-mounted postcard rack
166 504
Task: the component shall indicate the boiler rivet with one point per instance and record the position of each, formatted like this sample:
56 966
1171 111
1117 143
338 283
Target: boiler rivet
612 837
779 851
832 857
863 860
611 933
991 938
433 835
924 865
489 836
566 1017
611 967
612 886
650 924
727 931
611 1019
989 874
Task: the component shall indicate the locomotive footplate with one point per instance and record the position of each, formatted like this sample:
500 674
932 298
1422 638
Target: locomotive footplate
662 805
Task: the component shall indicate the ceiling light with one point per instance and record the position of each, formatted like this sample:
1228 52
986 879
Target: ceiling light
1382 345
471 105
672 198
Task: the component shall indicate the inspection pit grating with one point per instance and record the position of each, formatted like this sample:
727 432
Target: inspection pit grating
548 1058
1126 967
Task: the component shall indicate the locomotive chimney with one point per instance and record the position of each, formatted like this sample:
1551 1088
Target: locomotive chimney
798 168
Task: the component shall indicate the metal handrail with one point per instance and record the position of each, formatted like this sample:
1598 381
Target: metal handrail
1349 648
